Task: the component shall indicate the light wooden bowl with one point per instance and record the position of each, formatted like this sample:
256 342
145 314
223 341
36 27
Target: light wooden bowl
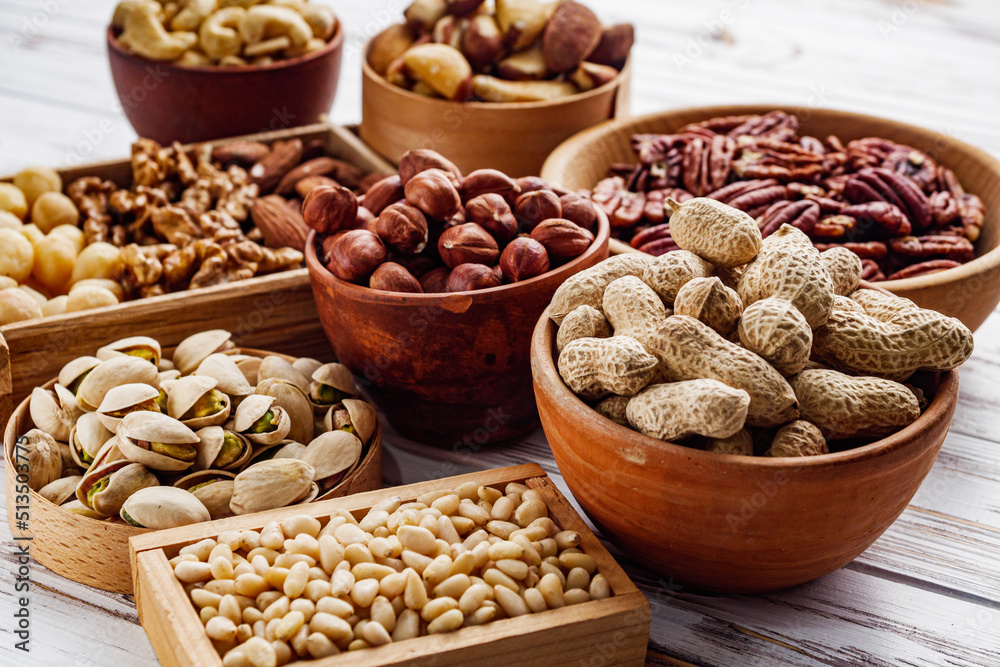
167 102
734 524
446 369
513 137
969 292
96 552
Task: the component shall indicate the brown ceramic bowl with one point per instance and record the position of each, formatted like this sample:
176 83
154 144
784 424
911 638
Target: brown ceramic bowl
168 103
734 524
512 137
446 369
969 292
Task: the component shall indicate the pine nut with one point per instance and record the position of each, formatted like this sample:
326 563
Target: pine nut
250 585
332 626
576 596
528 511
271 535
334 607
203 598
506 550
260 653
495 578
533 598
489 494
515 569
358 553
417 539
199 550
392 585
447 504
305 607
438 570
503 508
374 519
446 622
578 578
191 572
551 589
453 586
436 607
363 593
512 603
470 510
277 609
473 598
383 614
375 634
407 625
207 613
289 625
350 533
295 582
599 587
446 531
319 646
464 563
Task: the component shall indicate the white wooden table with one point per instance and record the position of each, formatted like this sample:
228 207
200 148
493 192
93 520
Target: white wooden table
927 593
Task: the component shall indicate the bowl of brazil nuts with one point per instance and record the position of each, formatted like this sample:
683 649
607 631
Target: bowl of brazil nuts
922 209
743 414
428 287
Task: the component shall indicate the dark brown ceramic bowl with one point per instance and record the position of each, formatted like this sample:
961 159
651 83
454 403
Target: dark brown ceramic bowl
446 369
167 103
734 524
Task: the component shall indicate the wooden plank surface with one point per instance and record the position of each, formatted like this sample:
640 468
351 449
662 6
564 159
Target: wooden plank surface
927 593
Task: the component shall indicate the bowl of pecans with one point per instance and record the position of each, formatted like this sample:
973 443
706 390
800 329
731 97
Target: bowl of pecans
920 208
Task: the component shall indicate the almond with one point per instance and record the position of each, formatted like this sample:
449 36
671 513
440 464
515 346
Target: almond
321 166
269 170
571 35
281 225
242 153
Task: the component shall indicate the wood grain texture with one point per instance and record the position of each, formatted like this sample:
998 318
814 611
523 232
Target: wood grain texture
56 534
927 65
615 628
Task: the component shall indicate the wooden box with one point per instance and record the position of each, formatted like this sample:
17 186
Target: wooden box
612 631
273 312
96 552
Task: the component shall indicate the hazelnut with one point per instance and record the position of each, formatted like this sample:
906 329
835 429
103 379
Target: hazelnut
483 43
532 184
432 192
457 219
368 181
330 208
467 244
524 258
436 280
417 266
482 181
534 207
391 277
415 161
363 219
403 228
387 191
492 213
468 277
580 210
562 238
353 256
307 184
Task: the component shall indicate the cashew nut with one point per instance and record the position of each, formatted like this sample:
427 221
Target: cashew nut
192 14
219 33
145 35
194 59
321 19
263 22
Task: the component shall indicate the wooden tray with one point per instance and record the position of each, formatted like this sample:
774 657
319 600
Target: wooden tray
612 631
95 552
273 312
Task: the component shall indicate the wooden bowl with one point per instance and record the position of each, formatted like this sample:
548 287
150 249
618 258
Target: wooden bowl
512 137
168 103
96 552
445 369
734 524
969 292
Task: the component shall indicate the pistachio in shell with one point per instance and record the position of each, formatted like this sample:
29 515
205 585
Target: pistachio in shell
43 458
157 441
73 373
331 384
249 366
105 489
354 416
86 439
331 454
126 398
229 378
113 373
288 449
215 494
293 401
69 465
194 349
169 376
261 421
142 347
306 365
164 365
275 367
109 451
76 507
195 402
272 484
221 449
60 490
160 507
54 411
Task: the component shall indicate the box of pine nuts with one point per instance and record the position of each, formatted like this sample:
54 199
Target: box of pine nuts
493 567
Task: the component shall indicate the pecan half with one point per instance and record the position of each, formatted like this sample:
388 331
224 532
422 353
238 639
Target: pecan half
924 268
871 271
939 246
868 250
870 185
803 214
879 219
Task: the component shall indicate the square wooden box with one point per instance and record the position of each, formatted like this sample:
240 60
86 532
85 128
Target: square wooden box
274 312
614 630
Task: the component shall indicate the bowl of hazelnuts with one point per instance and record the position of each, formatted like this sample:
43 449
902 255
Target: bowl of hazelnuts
429 284
492 84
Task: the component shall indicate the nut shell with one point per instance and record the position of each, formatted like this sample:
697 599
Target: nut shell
433 192
354 255
469 277
391 277
415 161
534 207
524 258
491 212
148 427
562 238
329 209
272 484
403 228
162 507
467 244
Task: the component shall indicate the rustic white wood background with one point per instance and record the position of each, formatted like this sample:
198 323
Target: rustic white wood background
927 593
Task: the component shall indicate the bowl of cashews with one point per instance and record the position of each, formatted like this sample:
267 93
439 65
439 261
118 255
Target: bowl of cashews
192 70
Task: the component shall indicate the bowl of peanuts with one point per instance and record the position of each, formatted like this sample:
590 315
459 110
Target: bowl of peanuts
921 209
744 413
190 74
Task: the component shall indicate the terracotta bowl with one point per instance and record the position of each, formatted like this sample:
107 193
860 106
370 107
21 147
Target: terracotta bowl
446 369
969 292
726 523
512 137
187 104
